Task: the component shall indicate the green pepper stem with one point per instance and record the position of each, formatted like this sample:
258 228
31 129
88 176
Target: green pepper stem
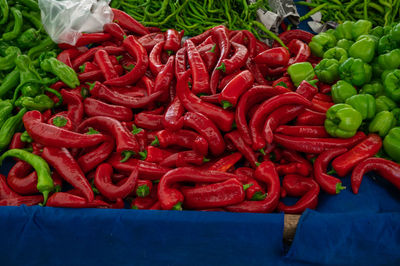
222 67
339 187
246 186
126 155
258 196
177 207
143 191
155 142
226 104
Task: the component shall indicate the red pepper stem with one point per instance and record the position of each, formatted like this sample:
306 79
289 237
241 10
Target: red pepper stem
222 67
126 155
339 188
177 207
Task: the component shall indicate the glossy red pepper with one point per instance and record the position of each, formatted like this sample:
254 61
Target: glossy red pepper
251 40
173 119
135 49
67 200
303 131
255 191
307 188
222 118
172 40
207 129
328 183
224 163
316 145
323 97
209 53
102 59
103 183
226 79
236 36
301 51
284 82
143 188
156 155
68 55
236 61
235 88
274 57
88 38
180 62
267 174
89 55
293 168
311 118
115 30
93 107
50 135
22 200
164 78
220 33
149 121
190 158
93 158
129 23
199 71
289 35
235 138
75 106
16 142
155 63
5 191
363 150
22 178
320 106
150 40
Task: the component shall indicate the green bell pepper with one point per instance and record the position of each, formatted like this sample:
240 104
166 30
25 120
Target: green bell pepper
384 103
375 88
18 23
49 63
337 53
382 123
341 91
342 121
376 69
391 83
322 42
355 71
391 144
395 32
10 126
8 62
301 71
5 111
363 103
10 81
345 44
360 27
28 39
396 113
386 44
390 60
344 30
363 49
378 31
41 102
327 70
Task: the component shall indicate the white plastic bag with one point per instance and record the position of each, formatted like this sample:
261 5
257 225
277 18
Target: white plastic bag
66 20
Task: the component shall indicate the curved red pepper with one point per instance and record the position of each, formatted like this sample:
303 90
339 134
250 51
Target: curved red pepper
221 35
189 158
59 120
320 106
150 40
363 150
128 22
237 37
172 40
155 64
184 138
156 155
222 118
199 71
293 168
316 145
274 57
165 77
258 75
255 191
300 186
95 107
95 75
267 174
103 61
172 118
251 40
289 35
149 121
304 131
226 162
50 135
258 119
16 142
207 129
68 55
284 82
67 200
115 30
310 117
135 49
300 49
328 183
103 183
21 178
88 38
235 88
22 200
75 106
88 56
5 191
180 62
214 195
235 138
236 61
90 160
209 53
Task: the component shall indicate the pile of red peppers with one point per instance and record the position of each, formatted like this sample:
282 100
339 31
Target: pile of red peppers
213 123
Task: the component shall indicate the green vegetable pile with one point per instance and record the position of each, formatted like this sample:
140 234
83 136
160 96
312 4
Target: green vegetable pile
362 64
194 17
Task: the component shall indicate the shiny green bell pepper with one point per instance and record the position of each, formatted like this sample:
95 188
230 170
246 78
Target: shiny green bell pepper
322 42
396 113
378 31
345 44
390 60
341 91
386 44
391 83
355 71
342 121
301 71
382 123
344 30
337 53
384 103
360 27
363 49
376 69
363 103
327 70
391 144
395 32
375 88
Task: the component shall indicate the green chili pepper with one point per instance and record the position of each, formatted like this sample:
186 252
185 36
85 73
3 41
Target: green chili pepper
34 19
9 127
29 79
31 4
28 38
4 11
18 22
10 81
45 183
382 123
328 70
8 62
41 103
341 91
6 108
45 45
342 121
364 104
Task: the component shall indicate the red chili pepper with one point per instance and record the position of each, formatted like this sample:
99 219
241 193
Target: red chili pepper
363 150
214 98
95 107
170 161
16 142
235 138
317 145
300 49
180 62
90 160
207 129
258 119
236 61
165 77
141 136
235 88
22 200
173 119
284 82
173 40
214 195
89 55
125 141
103 61
222 118
245 171
209 53
320 106
88 67
149 121
323 97
67 200
101 92
190 158
128 22
143 203
156 155
303 131
225 80
307 188
307 90
50 135
251 42
130 91
5 191
328 183
221 35
237 37
103 183
183 138
289 35
224 163
150 40
250 98
87 38
75 106
67 55
387 169
255 192
267 174
95 75
274 57
148 83
324 88
258 75
155 63
115 30
147 170
61 121
293 168
312 118
136 50
22 179
172 198
143 188
281 115
199 71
